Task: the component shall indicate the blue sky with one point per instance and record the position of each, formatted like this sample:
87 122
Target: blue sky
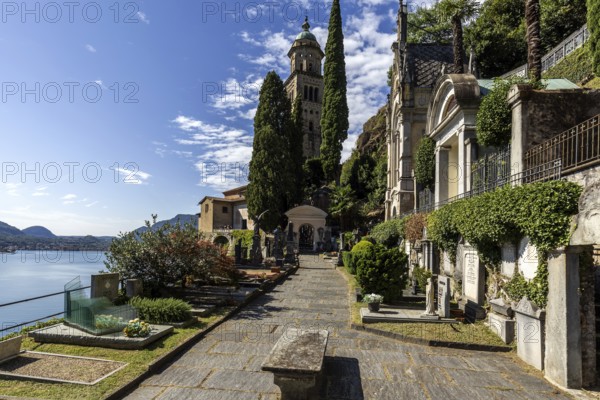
111 111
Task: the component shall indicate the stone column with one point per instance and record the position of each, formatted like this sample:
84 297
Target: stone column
563 330
517 100
441 174
470 158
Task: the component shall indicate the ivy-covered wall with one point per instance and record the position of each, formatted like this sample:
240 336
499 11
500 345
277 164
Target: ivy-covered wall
540 211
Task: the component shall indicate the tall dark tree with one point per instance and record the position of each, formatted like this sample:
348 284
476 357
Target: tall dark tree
296 153
458 11
534 42
593 17
425 26
334 114
271 181
560 18
499 25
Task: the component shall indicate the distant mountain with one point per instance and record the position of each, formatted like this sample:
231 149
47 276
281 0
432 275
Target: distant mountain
40 238
6 229
39 231
181 218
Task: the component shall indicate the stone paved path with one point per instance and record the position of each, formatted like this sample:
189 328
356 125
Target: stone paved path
226 364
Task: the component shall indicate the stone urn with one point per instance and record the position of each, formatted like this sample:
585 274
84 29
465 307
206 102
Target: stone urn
373 307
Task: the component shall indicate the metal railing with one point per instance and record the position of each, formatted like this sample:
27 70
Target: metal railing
566 47
576 148
541 173
12 303
491 171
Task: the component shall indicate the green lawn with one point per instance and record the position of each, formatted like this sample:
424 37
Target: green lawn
476 333
138 360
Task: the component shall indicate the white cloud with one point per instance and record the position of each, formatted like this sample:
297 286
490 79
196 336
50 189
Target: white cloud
225 152
40 192
133 176
12 189
90 48
91 204
69 196
143 17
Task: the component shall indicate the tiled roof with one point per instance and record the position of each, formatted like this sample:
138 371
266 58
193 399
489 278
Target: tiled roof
425 63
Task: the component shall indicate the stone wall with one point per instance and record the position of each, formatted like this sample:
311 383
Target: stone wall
547 116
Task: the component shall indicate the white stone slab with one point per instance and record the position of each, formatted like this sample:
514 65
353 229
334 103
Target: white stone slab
10 348
502 326
443 309
527 258
530 333
509 259
473 276
448 270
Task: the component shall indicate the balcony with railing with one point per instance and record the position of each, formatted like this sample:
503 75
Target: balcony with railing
575 149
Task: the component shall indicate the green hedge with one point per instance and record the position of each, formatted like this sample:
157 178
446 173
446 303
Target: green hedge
425 163
382 271
593 20
160 311
389 233
347 260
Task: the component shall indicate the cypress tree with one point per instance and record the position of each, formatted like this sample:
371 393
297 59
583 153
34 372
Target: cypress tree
593 23
334 114
296 151
270 179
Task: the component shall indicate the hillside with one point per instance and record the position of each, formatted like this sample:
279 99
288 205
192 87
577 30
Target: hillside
6 229
372 138
576 67
38 231
366 169
181 218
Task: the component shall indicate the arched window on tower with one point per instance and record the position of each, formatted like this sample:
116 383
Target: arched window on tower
305 92
310 67
316 95
310 93
310 126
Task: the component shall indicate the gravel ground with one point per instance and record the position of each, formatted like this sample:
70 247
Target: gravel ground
59 367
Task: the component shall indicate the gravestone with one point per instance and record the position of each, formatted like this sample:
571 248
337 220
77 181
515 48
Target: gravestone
443 309
134 287
500 320
530 333
10 348
105 285
528 258
474 275
509 259
447 264
277 249
473 284
327 245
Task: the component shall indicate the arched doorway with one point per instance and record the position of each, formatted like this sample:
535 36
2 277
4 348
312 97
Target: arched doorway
221 241
307 236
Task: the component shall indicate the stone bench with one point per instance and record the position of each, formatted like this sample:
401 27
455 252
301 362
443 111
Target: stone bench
296 362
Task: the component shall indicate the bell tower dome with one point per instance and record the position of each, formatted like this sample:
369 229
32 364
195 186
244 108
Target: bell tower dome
306 81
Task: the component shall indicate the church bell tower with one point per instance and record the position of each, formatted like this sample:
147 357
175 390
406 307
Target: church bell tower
306 80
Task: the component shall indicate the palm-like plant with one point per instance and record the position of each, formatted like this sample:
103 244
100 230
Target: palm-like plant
343 203
534 48
458 11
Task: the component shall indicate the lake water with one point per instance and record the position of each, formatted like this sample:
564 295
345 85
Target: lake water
26 274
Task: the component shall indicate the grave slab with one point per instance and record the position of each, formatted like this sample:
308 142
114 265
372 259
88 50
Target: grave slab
64 334
386 314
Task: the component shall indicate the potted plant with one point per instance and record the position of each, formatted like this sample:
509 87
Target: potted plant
373 301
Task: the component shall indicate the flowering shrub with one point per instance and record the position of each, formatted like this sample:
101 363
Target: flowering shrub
137 328
372 298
